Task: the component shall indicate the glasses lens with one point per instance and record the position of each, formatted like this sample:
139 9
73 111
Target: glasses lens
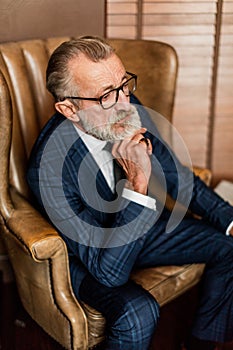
109 99
129 86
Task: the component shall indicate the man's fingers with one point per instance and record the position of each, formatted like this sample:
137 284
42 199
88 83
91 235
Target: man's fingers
145 140
138 134
147 144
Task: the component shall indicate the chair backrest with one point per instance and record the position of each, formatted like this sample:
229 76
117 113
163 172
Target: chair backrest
23 65
156 65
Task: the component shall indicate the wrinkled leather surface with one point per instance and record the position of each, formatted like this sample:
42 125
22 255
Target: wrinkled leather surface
37 253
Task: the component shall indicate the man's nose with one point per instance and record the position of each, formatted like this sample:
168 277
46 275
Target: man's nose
122 106
123 99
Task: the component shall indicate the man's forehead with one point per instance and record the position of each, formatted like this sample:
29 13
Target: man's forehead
82 63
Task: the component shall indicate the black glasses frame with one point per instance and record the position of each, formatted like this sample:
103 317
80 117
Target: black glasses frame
99 99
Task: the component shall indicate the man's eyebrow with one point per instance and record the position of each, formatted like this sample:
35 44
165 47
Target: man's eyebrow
111 87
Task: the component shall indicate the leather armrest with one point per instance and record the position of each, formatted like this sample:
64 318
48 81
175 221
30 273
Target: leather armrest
35 233
203 173
39 257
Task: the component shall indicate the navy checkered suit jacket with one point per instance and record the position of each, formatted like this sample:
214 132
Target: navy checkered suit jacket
70 188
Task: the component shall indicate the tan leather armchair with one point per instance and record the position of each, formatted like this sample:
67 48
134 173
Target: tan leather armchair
37 253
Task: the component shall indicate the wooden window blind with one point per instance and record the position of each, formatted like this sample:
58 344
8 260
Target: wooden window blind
122 18
191 31
222 156
203 108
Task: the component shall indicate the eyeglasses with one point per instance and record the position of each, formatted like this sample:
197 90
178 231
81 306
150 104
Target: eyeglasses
110 98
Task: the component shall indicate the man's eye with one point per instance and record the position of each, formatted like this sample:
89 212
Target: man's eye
125 86
108 95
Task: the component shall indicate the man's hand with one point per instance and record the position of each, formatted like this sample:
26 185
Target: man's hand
133 155
231 231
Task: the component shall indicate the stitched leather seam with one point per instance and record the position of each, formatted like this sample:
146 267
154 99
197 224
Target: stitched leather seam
58 308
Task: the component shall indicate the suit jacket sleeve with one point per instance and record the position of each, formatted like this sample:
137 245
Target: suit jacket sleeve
182 184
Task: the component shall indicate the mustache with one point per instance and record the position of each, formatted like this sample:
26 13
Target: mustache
121 114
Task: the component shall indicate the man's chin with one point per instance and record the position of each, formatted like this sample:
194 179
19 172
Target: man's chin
123 132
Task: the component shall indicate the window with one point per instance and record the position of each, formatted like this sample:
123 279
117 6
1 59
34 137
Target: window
202 34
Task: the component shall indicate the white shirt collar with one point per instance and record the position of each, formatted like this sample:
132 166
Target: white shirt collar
93 144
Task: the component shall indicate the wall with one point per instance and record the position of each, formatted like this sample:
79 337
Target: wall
29 19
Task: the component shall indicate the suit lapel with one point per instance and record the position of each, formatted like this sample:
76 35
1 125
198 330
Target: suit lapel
92 185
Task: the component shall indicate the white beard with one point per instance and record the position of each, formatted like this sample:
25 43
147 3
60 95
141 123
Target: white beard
108 132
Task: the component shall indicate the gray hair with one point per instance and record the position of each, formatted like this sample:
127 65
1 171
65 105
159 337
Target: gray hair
59 79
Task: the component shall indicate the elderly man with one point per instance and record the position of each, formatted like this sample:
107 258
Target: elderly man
99 125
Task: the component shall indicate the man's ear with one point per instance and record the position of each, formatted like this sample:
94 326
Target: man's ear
67 109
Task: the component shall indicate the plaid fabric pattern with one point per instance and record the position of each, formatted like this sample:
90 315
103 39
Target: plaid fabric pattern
193 241
100 275
131 312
